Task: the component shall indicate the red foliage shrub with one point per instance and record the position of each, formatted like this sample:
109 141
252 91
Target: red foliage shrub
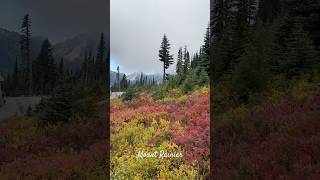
280 142
193 113
196 136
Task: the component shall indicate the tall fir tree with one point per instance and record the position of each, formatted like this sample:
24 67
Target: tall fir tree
253 72
300 55
195 61
118 79
204 62
219 17
165 56
91 68
45 70
101 65
61 69
124 83
85 68
26 68
186 62
269 10
58 108
179 68
15 78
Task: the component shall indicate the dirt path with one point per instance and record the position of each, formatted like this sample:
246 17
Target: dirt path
17 106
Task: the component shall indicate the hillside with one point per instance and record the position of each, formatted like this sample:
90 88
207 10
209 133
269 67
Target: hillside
73 49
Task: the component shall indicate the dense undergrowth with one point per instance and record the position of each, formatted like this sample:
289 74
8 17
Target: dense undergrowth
76 150
174 123
274 136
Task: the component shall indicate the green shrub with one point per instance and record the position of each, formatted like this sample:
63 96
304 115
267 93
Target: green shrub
188 85
57 108
159 93
84 102
130 94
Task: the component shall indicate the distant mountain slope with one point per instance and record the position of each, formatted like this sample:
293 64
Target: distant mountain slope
9 48
133 77
113 77
72 50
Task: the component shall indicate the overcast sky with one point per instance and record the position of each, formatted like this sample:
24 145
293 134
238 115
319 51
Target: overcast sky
56 19
137 28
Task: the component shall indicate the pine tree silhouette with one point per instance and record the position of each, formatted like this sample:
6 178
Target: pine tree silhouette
164 55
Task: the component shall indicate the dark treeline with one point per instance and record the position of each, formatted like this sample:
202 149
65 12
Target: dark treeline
123 83
40 76
253 43
265 79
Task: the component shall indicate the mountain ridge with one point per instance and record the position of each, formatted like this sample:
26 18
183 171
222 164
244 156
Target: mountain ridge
72 50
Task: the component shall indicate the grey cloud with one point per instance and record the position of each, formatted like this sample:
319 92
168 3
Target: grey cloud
137 27
57 19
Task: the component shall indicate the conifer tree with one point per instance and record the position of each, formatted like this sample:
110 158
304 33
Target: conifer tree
202 77
124 83
165 56
253 71
301 56
101 66
222 56
141 80
195 61
15 77
269 10
91 68
26 68
61 69
179 68
204 62
45 70
153 81
57 108
85 68
118 79
219 18
186 62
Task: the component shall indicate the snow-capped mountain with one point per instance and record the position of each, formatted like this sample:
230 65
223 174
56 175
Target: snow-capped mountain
133 77
113 77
